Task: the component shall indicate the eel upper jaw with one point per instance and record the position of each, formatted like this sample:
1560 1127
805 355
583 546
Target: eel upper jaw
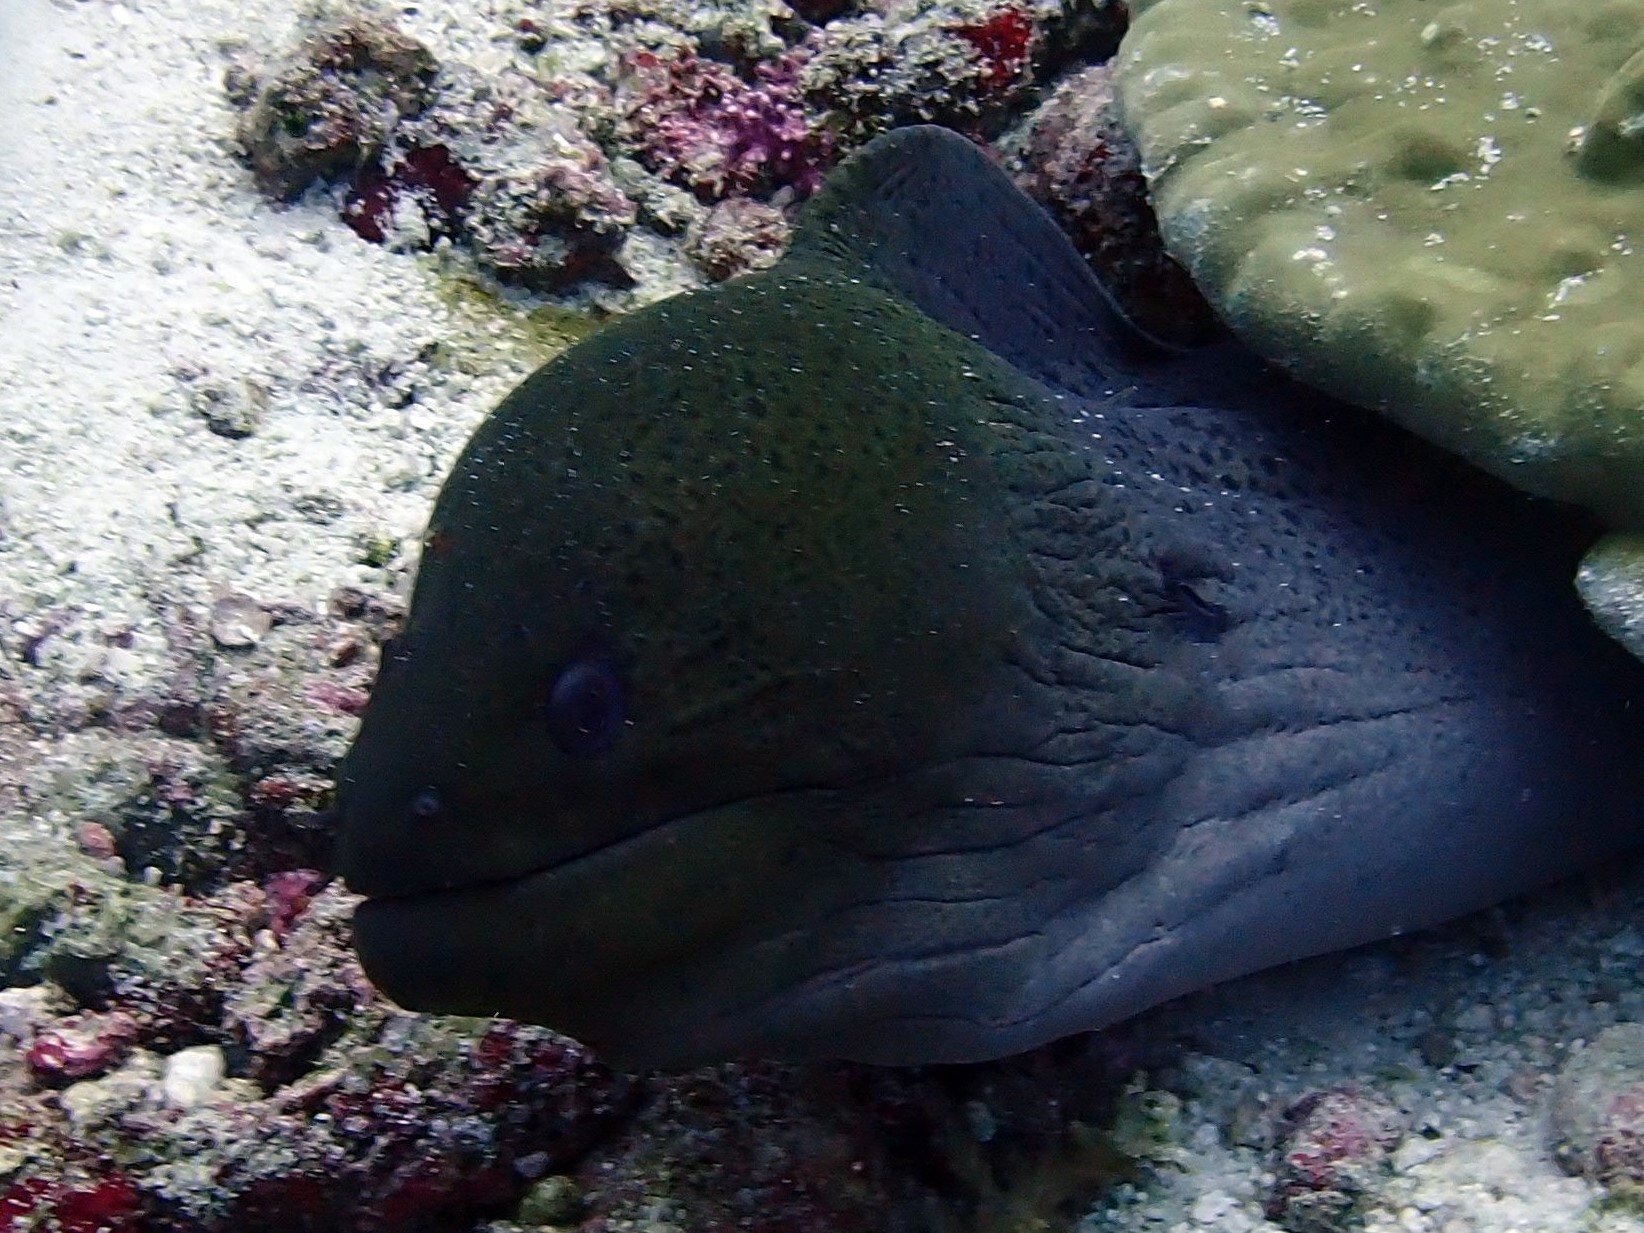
377 884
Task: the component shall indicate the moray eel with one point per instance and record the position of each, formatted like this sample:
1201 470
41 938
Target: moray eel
888 655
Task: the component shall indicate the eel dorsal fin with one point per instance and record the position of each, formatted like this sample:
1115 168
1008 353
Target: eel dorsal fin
936 222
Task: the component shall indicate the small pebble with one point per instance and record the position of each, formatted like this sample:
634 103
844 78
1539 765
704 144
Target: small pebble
23 1010
1437 1049
191 1075
95 839
1212 1207
238 622
1525 1084
231 409
983 1125
1475 1018
344 651
553 1200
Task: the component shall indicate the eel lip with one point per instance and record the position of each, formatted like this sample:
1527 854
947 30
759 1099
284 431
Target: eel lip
519 943
514 948
385 862
624 946
441 950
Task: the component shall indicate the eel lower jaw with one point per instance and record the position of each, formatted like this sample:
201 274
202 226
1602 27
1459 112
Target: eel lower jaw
446 950
522 948
605 947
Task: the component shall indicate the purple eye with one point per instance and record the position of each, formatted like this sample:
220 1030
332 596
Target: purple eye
426 805
584 710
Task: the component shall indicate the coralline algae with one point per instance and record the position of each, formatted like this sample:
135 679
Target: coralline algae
729 102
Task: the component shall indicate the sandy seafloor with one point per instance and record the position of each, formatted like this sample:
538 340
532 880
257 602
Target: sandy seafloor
141 273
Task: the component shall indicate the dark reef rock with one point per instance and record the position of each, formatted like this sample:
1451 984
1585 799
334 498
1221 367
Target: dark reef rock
1332 1156
327 108
1078 163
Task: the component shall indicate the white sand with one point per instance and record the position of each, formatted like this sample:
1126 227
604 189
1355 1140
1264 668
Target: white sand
141 274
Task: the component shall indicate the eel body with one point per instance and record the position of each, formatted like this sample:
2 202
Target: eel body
887 655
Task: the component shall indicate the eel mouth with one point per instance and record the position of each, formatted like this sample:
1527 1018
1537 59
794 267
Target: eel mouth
544 946
564 866
514 950
582 945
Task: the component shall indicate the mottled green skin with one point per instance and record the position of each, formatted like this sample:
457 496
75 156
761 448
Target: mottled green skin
883 575
692 461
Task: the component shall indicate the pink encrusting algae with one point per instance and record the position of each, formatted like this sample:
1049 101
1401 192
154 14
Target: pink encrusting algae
542 171
697 123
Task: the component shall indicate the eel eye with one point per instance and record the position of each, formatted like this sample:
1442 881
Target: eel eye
584 710
426 805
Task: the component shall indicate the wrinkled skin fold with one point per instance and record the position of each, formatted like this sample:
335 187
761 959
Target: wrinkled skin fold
984 675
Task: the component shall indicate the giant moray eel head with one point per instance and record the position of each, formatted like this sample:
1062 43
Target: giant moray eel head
717 614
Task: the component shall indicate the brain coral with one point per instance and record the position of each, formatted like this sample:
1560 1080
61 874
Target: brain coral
1436 210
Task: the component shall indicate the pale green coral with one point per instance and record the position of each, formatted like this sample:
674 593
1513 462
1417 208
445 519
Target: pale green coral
1611 581
1436 210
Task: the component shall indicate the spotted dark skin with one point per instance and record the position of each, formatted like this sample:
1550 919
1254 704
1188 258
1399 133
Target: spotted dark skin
890 655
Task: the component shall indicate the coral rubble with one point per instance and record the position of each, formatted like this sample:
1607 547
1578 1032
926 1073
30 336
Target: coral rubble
546 169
